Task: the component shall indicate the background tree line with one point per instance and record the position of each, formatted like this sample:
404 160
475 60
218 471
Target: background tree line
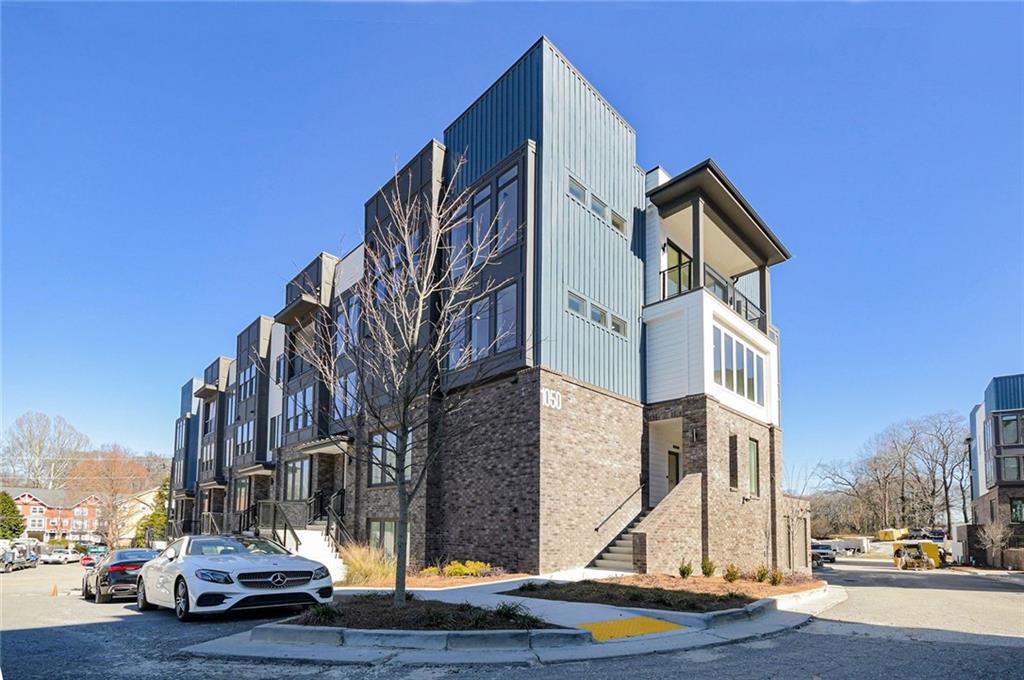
49 453
914 473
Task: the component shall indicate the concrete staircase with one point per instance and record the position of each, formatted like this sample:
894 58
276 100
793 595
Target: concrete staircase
315 546
619 555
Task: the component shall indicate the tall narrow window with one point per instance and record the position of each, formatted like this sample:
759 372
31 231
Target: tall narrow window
481 329
734 466
750 374
508 209
730 359
459 246
760 380
377 459
754 467
506 329
1010 430
457 342
716 349
741 376
482 218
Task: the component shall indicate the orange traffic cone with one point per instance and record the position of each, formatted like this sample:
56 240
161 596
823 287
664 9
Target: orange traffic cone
54 592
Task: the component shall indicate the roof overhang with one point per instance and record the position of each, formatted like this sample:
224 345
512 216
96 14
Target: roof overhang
259 469
707 179
206 390
212 484
300 306
329 445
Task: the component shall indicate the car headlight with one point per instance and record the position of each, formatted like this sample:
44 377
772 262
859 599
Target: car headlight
320 572
213 576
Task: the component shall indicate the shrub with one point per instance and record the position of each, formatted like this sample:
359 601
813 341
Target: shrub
685 569
776 577
762 573
366 564
467 568
518 614
707 567
732 573
430 571
318 615
58 542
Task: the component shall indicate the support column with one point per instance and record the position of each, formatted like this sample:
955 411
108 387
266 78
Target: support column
766 295
697 271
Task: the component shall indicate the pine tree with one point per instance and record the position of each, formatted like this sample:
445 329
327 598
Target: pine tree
12 524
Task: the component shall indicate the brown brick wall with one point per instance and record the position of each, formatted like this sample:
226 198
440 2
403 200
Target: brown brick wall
671 533
589 471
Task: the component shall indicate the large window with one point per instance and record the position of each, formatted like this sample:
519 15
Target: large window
296 479
1017 509
508 209
457 342
460 244
345 396
744 368
1011 469
241 493
754 467
482 220
481 340
384 461
247 383
1010 429
209 416
381 534
245 437
300 410
506 310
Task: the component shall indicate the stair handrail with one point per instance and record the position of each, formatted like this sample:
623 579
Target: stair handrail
619 506
315 507
248 518
337 502
336 532
281 535
208 521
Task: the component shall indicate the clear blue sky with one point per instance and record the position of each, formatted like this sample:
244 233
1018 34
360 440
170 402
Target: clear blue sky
166 168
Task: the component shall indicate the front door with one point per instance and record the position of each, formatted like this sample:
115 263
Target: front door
673 469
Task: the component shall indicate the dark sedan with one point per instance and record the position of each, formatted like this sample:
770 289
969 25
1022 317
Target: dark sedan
116 574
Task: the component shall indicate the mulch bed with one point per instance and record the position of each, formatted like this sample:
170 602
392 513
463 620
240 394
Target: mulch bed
377 612
439 581
661 591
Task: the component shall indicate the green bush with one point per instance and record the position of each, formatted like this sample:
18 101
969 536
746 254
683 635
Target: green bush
732 573
707 567
58 542
776 577
762 573
685 569
467 568
430 571
319 615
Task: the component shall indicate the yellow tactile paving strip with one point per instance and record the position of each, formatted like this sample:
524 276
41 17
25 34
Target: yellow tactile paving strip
628 627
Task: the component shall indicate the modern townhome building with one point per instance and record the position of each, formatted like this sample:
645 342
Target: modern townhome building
211 474
997 469
181 501
627 417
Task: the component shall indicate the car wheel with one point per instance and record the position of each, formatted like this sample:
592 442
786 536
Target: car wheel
101 597
86 593
181 601
140 598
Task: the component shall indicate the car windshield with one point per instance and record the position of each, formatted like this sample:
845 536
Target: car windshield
228 545
135 555
819 546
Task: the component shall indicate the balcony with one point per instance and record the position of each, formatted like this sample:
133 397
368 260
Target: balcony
677 280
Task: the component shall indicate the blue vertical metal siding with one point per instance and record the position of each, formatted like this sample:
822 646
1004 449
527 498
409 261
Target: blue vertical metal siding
544 98
1004 393
580 252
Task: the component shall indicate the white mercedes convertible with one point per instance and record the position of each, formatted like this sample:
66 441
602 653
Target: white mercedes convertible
210 574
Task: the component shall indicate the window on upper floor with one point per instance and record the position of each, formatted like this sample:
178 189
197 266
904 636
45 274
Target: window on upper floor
345 396
490 326
483 220
577 304
459 245
508 209
577 191
209 416
231 409
599 207
37 510
1010 429
737 367
384 458
619 222
507 313
598 315
247 382
1017 509
1011 469
481 329
299 410
618 326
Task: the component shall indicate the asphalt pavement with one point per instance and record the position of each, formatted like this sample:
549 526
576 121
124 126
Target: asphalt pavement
943 624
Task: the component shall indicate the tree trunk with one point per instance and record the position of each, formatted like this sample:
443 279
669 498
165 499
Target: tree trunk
402 527
949 509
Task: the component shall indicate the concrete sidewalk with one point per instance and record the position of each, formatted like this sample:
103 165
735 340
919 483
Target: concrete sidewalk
788 614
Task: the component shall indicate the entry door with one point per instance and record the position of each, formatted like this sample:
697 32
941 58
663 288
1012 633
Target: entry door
673 469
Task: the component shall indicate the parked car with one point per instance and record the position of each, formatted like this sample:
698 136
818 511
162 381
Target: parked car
87 561
59 556
15 555
824 551
115 575
937 535
211 574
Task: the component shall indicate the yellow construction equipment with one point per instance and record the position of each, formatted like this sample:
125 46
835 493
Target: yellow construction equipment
893 534
916 555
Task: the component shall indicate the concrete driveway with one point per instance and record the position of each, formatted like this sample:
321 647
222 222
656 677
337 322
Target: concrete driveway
946 624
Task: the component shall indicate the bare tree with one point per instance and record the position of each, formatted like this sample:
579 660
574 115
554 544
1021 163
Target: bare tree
113 475
40 451
995 536
426 279
941 452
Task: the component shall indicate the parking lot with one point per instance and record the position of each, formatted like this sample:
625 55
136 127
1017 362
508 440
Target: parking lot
946 623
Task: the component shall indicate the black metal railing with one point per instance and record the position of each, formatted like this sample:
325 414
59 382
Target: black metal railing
611 514
335 531
337 502
248 518
675 280
316 507
272 518
725 290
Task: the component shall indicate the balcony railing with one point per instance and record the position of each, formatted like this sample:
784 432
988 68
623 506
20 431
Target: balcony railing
677 280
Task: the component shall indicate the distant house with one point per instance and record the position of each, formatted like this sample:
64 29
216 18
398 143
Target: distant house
57 513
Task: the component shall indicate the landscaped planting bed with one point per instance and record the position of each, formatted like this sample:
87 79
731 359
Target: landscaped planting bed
376 611
661 591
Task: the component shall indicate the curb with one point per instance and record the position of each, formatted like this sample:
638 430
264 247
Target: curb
725 616
287 633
